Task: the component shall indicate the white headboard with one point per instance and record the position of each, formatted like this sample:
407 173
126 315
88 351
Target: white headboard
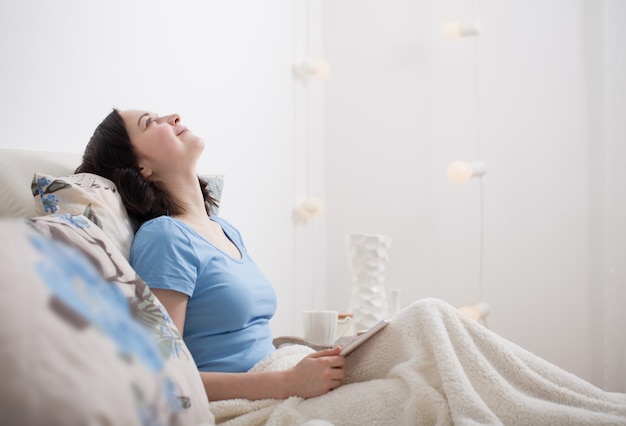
17 168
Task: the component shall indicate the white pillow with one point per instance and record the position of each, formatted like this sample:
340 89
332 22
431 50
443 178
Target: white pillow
16 173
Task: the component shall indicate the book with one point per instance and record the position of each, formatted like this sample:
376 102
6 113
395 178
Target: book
357 341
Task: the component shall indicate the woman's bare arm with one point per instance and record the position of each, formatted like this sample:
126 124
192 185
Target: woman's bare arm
315 375
175 304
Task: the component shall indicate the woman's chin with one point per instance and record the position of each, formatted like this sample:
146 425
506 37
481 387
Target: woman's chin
199 143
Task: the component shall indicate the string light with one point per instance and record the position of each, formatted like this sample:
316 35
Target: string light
453 30
312 69
460 171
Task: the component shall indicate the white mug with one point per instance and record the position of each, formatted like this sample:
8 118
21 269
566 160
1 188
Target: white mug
320 327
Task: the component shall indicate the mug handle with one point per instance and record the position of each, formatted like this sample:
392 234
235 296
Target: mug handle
348 320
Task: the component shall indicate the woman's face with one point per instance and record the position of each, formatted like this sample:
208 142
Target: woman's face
162 144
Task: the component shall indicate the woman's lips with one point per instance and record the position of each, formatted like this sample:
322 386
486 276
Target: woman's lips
182 130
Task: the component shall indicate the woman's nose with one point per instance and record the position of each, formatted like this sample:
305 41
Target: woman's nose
173 119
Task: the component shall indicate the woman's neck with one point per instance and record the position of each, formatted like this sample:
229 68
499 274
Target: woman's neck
188 193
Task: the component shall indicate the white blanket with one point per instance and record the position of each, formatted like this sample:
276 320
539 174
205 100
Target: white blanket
434 366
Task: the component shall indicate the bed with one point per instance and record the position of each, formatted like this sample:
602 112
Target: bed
88 343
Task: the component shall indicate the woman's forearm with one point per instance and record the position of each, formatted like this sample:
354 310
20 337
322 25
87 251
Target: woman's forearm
261 385
314 375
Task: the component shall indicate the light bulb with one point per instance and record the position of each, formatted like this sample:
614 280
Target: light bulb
312 205
450 31
453 30
476 312
309 208
460 171
317 69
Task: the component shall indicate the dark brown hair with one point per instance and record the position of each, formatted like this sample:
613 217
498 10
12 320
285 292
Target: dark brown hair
110 154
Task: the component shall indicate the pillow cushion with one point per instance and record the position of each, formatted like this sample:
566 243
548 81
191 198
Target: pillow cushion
216 186
96 198
71 351
90 195
179 366
16 173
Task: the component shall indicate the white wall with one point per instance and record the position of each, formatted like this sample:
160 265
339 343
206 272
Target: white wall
403 102
613 267
224 66
400 104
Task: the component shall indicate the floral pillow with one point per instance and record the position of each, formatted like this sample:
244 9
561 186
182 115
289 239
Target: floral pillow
72 350
80 233
85 194
97 199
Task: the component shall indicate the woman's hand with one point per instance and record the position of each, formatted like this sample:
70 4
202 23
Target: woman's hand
317 374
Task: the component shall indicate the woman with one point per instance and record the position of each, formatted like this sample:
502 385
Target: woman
197 264
431 364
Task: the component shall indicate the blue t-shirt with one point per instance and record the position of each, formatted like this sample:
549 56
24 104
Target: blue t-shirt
230 300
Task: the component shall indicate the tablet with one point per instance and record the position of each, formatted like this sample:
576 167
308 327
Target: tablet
357 341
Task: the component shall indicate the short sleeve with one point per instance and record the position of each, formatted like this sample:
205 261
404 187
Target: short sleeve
163 256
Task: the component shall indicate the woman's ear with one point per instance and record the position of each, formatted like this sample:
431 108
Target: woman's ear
145 172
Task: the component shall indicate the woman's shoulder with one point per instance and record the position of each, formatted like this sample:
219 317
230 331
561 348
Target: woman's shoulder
162 227
163 234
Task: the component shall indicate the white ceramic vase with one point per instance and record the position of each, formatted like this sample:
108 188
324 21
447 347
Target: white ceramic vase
367 257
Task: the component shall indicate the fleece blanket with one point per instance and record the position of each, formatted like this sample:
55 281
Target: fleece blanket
432 365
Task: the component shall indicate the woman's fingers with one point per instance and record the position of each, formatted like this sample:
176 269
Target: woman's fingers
326 352
337 374
319 372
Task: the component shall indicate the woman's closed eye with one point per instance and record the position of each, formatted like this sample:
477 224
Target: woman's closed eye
149 119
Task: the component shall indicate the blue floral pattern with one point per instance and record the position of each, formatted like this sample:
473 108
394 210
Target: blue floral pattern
146 333
76 284
78 221
48 200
